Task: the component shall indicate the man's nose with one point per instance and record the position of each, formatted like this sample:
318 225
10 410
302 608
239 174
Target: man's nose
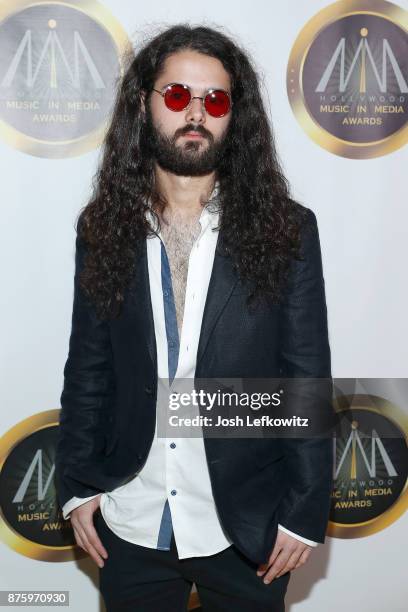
196 111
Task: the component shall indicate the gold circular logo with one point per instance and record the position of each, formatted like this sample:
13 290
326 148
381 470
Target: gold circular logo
347 78
31 521
370 466
59 69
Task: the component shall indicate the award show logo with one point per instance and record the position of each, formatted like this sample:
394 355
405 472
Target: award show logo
370 466
31 521
59 68
347 78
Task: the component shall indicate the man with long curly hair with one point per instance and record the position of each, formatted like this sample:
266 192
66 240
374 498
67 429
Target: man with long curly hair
192 261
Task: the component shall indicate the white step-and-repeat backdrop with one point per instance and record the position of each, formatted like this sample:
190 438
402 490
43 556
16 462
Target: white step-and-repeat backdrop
335 78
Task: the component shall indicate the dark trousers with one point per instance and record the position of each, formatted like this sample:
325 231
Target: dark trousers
140 579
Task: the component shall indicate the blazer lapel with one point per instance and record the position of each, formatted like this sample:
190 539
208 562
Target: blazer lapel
144 310
222 281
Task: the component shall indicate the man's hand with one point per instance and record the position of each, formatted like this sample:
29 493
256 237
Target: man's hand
288 554
85 532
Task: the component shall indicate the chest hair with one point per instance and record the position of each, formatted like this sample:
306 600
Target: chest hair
179 235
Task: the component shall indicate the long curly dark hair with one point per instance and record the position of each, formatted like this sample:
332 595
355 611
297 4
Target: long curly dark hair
259 220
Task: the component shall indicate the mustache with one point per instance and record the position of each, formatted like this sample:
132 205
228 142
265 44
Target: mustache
198 129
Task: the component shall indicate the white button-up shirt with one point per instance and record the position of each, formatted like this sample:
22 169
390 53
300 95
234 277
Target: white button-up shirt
176 468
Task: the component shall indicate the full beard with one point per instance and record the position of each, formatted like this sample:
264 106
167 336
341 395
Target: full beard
188 159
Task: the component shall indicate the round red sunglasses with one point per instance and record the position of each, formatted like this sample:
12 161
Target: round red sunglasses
177 97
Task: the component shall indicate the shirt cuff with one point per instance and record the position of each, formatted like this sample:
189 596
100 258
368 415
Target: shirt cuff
298 537
73 503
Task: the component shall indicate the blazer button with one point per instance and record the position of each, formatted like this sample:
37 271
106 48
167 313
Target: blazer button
149 390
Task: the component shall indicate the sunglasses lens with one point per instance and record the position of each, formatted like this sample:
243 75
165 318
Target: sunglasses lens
217 103
177 97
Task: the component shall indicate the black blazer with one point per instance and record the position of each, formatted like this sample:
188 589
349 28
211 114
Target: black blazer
108 401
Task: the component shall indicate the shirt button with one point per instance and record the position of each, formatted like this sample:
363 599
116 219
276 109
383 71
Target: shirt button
172 445
173 492
172 343
165 293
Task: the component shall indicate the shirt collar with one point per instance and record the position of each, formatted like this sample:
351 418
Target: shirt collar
210 213
211 210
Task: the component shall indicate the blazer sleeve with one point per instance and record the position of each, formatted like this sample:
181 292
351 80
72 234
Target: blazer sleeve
305 355
88 385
